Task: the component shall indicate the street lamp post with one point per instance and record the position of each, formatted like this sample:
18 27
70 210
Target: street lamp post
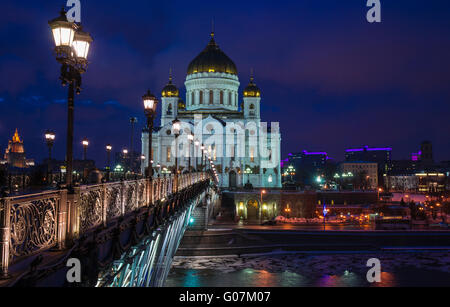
108 162
196 144
190 143
50 139
85 144
150 104
143 163
248 171
261 205
125 162
176 127
71 50
202 160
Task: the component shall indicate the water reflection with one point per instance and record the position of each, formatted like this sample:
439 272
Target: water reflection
262 278
300 270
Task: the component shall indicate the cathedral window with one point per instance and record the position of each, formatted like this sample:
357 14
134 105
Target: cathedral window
211 97
169 110
221 97
192 98
201 97
252 154
229 98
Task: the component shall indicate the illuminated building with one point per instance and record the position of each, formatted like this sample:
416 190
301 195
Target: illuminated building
15 153
364 172
232 133
431 182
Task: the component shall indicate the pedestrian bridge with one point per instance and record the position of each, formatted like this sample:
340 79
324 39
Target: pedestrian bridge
124 234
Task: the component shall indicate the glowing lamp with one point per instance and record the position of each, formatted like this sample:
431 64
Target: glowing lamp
49 136
176 127
63 31
81 43
150 102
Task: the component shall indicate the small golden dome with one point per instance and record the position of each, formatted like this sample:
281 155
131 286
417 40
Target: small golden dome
170 90
252 90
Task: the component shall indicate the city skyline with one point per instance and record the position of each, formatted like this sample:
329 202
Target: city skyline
341 77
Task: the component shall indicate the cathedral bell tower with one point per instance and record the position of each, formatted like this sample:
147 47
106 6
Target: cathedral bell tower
252 100
169 106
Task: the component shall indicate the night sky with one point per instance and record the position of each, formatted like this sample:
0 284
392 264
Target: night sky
330 78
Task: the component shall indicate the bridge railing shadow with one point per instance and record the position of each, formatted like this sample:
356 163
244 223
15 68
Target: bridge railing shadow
33 223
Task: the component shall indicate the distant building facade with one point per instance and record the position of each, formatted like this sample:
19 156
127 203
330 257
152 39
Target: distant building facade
364 172
15 153
304 167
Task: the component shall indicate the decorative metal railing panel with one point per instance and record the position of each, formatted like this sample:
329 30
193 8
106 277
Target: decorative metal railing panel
33 224
91 207
113 201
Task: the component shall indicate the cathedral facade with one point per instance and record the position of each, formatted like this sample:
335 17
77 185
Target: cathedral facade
243 149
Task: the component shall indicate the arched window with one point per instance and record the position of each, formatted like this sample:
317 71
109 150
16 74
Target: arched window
252 107
201 97
169 109
211 97
221 97
192 98
229 98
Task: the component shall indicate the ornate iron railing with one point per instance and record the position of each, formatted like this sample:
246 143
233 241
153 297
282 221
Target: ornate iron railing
32 223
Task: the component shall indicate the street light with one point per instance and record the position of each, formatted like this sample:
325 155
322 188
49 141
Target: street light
85 144
176 128
190 142
108 163
71 51
203 156
143 157
262 192
248 171
50 140
196 144
150 105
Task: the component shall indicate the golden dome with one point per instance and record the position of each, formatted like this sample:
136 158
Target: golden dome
252 90
170 90
212 59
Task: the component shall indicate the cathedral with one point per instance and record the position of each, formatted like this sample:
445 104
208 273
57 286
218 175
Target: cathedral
244 150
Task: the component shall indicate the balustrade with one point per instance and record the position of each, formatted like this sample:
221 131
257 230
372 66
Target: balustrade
32 223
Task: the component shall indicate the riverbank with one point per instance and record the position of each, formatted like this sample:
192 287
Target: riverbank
265 239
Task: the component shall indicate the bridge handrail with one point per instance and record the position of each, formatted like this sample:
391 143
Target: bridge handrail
32 223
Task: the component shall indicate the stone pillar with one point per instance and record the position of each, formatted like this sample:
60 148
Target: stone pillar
62 220
5 235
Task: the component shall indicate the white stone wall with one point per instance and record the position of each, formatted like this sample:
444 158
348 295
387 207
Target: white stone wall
216 82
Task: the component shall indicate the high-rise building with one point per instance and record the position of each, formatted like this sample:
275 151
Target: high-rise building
15 153
426 153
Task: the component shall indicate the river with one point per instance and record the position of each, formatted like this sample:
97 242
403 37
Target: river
310 270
